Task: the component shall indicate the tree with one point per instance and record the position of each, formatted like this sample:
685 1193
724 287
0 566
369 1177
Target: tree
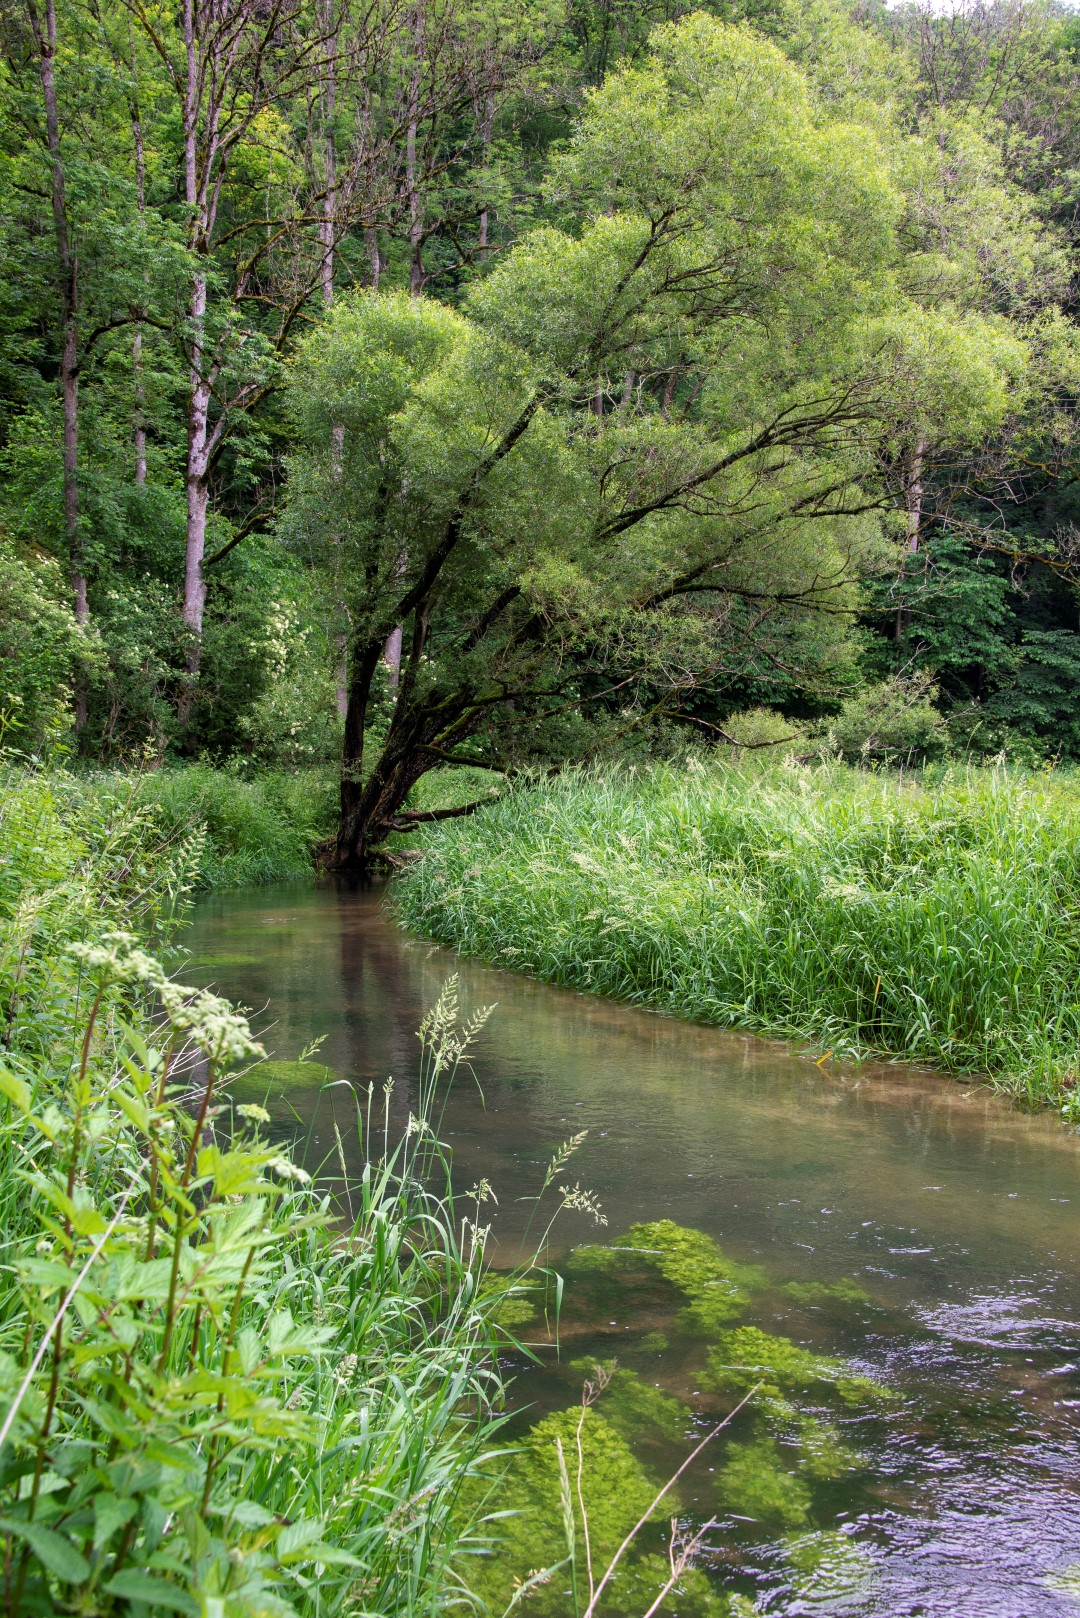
642 448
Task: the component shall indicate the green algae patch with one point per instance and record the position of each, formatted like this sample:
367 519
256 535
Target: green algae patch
211 963
841 1294
748 1357
634 1407
756 1482
274 1083
777 1466
535 1515
717 1289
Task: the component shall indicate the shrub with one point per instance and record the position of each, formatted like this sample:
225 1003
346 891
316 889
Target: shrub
895 721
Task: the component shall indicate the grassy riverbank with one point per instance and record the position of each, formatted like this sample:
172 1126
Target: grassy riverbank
210 1403
935 919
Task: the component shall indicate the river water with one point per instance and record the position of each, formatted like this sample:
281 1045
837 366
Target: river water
950 1223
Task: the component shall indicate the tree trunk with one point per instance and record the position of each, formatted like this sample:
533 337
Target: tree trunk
416 214
199 387
486 128
67 264
392 659
329 219
198 501
913 498
138 432
138 424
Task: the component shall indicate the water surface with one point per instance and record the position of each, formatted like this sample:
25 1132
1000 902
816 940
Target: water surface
957 1217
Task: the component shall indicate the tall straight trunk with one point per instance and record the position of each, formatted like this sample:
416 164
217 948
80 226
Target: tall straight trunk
198 424
138 423
486 128
327 230
375 255
198 492
412 185
68 279
328 226
392 649
913 499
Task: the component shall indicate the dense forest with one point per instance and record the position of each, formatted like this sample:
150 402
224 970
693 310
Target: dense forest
508 383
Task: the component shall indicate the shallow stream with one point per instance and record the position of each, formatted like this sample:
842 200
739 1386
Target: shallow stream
915 1229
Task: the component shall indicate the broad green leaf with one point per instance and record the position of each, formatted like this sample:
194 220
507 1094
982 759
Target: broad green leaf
17 1090
110 1513
158 1594
55 1553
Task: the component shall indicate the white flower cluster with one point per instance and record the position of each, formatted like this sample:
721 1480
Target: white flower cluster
211 1023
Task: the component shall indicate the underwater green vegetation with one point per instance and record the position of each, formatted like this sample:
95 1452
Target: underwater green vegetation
584 1475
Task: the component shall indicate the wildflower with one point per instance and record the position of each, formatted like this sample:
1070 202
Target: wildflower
210 1022
289 1171
252 1111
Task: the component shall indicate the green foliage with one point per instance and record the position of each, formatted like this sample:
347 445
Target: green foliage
213 1403
894 722
258 830
40 649
864 913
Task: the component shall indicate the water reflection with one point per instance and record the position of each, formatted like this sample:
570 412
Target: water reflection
955 1216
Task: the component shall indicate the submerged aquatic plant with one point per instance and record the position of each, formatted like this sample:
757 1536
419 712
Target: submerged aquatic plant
578 1487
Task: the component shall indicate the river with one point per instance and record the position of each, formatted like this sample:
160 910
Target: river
917 1228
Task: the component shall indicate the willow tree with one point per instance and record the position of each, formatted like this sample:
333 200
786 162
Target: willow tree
645 445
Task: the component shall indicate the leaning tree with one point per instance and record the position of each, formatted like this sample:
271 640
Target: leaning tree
648 447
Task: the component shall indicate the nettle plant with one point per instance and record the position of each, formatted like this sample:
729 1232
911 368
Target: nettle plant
219 1401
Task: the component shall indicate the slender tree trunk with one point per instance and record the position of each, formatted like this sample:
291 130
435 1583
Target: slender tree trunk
67 264
198 493
329 220
913 496
198 425
138 425
375 257
412 185
486 128
392 648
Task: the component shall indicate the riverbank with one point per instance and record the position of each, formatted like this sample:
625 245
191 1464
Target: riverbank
208 1400
933 918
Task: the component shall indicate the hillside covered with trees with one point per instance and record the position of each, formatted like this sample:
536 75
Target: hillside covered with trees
512 383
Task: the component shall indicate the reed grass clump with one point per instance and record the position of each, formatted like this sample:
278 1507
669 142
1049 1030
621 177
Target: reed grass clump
932 917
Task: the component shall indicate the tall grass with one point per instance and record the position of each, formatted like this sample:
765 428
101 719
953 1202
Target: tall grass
215 1398
933 918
